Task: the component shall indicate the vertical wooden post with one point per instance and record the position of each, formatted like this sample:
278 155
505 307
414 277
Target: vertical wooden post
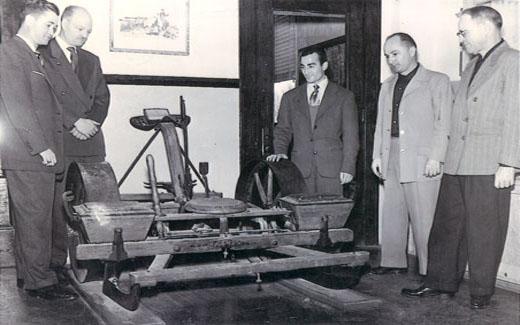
256 22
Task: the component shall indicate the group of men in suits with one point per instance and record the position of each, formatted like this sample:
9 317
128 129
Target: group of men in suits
53 101
446 160
471 138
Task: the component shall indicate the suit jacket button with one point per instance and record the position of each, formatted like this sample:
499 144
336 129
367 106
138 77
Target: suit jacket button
463 137
475 99
315 127
315 153
466 119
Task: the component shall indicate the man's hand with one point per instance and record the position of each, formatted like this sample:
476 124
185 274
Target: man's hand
376 167
433 168
345 178
86 126
276 157
504 177
78 135
48 158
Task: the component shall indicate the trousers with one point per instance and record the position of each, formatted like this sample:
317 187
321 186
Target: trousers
406 203
470 227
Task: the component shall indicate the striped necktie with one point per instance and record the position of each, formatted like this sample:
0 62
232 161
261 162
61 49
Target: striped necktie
73 58
314 95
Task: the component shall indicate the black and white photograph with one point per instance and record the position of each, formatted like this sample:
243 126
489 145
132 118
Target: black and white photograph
259 162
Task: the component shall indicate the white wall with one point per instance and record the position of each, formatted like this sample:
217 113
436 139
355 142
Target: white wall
214 129
432 24
213 133
213 35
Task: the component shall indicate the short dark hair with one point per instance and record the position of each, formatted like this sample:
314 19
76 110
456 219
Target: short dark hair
314 49
405 38
484 13
38 7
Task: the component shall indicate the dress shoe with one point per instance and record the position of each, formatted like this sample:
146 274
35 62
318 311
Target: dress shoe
389 270
423 291
480 302
54 292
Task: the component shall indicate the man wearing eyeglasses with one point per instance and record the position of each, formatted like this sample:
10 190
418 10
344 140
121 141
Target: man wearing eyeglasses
470 223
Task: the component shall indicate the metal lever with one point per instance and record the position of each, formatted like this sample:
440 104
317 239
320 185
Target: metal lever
204 169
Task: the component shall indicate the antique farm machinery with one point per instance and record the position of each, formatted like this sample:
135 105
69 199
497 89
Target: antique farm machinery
268 216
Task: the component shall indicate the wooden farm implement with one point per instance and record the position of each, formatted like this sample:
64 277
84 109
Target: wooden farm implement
268 216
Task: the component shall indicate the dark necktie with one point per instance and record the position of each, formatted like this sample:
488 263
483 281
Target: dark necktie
314 95
39 57
478 64
73 58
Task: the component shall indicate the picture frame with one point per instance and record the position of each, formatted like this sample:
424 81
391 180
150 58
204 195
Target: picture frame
150 26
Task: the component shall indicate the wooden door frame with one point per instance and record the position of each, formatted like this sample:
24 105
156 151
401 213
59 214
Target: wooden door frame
362 58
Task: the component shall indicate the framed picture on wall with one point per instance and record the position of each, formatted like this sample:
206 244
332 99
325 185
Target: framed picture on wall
150 26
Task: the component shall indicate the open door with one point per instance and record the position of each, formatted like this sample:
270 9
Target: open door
362 50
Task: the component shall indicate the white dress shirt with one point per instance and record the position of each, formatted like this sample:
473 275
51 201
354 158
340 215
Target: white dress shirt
321 90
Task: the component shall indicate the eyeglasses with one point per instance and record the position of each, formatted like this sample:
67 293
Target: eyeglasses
462 33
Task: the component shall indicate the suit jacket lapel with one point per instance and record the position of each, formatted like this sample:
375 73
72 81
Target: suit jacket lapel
302 105
487 68
36 63
417 82
327 100
65 70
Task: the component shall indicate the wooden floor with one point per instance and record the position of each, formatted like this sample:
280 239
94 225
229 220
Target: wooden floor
239 302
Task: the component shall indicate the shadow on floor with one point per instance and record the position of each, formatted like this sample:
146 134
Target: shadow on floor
241 303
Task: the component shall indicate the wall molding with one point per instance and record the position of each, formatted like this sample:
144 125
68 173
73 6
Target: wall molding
122 79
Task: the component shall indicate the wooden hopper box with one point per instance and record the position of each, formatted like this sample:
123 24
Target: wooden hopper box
99 219
309 209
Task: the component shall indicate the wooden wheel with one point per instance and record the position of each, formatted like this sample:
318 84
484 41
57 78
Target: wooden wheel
262 182
86 182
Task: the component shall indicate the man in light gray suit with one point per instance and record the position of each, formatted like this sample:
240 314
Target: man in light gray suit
409 147
470 223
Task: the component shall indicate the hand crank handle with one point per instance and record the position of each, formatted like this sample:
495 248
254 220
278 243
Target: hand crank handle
68 197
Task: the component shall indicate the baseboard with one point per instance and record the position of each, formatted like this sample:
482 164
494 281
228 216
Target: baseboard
509 286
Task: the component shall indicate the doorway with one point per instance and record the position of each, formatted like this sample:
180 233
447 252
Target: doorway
362 37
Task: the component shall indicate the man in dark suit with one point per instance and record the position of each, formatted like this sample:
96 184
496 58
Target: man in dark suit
470 223
31 148
76 75
321 120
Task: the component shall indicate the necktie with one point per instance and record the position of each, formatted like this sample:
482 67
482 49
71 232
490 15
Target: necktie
39 57
73 58
314 95
476 68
